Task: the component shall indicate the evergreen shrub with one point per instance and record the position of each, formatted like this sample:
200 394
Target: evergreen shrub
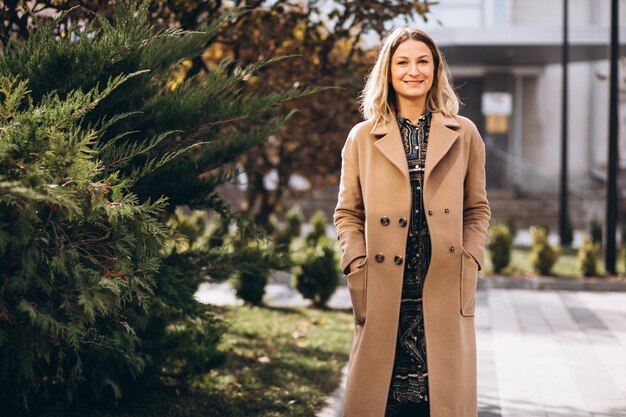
543 255
95 127
588 257
500 246
181 335
319 225
250 285
255 258
510 223
316 274
283 235
78 254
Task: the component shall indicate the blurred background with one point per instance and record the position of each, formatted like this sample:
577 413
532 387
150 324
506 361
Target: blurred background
169 169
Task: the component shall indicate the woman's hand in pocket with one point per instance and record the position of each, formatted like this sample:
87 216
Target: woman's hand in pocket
356 264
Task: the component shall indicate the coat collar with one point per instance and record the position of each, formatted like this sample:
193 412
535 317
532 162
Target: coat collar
442 135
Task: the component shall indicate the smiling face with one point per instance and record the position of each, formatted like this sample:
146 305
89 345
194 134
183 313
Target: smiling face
412 73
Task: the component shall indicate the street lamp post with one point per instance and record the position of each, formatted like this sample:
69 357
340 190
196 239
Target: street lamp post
565 233
611 184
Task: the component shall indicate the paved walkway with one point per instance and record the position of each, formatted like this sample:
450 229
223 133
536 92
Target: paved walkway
551 353
541 353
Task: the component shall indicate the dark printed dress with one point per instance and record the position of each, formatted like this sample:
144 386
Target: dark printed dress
409 382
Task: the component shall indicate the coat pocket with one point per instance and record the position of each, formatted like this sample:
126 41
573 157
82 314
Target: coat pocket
357 286
469 280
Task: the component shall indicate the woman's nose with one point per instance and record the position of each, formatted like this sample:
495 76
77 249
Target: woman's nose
414 69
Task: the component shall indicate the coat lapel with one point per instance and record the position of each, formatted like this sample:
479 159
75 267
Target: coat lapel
440 138
389 143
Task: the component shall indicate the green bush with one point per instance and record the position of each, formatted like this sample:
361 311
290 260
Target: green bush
283 235
543 256
78 253
254 258
319 225
510 223
93 301
181 335
588 257
500 245
316 274
250 286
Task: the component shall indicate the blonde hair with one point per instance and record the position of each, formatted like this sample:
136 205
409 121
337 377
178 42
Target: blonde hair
378 97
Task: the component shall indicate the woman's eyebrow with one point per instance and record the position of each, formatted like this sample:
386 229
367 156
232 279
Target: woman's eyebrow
406 57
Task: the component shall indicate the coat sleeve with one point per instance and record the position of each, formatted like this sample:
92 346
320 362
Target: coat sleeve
349 216
476 211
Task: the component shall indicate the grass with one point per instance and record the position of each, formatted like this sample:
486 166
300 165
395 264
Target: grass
565 267
279 362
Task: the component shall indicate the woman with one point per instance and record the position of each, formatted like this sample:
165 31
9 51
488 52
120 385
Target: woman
411 217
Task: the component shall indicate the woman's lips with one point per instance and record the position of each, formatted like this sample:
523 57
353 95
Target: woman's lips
414 83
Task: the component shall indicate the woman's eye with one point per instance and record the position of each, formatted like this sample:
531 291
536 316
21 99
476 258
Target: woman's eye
401 62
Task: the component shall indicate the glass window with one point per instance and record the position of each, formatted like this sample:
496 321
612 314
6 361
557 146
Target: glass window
500 12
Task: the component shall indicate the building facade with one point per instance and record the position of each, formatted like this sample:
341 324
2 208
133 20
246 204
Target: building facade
505 56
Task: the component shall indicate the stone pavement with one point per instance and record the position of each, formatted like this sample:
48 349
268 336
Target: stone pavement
541 353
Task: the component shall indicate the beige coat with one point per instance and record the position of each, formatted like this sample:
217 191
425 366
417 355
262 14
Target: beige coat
371 221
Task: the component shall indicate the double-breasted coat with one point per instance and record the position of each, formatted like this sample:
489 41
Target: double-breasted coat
371 219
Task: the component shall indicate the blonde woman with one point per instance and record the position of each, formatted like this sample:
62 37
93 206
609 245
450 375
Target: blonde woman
411 217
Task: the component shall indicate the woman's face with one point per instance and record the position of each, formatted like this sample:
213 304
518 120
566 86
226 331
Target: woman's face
412 70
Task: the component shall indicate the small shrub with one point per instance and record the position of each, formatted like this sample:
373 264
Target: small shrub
283 235
316 274
595 232
588 257
182 335
541 226
500 245
253 257
543 256
510 223
319 224
250 285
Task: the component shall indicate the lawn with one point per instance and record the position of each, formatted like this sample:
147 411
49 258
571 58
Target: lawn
565 267
280 362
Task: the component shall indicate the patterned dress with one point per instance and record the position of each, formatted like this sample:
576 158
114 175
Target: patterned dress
409 382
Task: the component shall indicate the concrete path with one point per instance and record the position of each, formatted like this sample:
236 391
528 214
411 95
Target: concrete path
541 353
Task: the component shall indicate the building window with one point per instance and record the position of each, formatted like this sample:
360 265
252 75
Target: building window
500 12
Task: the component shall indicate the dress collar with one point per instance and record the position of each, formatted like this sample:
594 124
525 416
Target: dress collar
420 121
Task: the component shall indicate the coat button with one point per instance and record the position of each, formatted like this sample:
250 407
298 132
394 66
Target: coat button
384 221
446 210
402 222
451 248
379 257
397 260
430 212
